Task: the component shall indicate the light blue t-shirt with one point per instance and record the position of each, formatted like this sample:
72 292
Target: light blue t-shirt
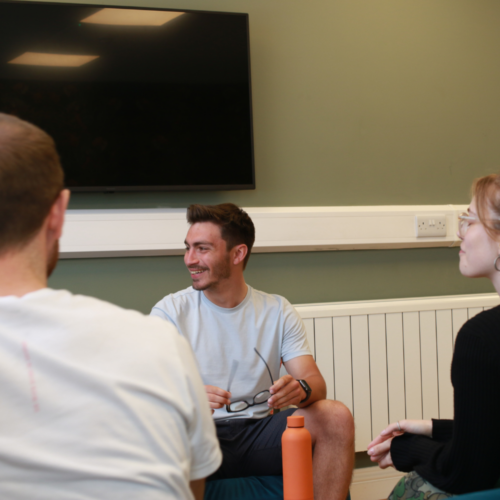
219 336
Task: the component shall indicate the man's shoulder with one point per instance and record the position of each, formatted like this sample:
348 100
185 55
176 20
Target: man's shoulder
179 301
65 301
270 300
275 305
94 314
57 314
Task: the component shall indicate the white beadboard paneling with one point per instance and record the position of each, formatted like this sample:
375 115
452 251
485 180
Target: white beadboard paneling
378 372
395 367
428 358
361 381
413 338
459 317
329 309
445 354
343 360
474 310
323 336
413 375
161 231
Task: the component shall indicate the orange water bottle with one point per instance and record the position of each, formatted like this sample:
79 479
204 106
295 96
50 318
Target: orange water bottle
297 461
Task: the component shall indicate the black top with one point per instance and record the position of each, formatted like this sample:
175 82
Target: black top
463 454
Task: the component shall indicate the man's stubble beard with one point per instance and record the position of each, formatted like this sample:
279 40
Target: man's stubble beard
221 271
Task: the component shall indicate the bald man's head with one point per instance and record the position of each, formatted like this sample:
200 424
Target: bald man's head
31 179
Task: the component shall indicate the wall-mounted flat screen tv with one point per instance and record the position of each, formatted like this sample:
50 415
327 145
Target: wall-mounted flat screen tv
136 99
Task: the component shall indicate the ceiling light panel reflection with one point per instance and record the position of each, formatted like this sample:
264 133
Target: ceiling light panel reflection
127 17
42 59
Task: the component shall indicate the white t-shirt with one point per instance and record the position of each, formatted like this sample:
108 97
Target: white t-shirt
220 336
98 402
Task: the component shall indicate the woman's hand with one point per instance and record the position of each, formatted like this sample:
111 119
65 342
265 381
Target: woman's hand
379 449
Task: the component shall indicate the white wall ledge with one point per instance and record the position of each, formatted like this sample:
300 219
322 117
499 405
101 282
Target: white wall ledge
146 232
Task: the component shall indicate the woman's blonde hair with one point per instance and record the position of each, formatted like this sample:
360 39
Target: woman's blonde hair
486 191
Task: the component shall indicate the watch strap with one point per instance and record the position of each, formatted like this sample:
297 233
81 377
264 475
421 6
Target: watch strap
306 388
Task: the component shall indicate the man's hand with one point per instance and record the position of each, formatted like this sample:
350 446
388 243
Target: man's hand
217 397
379 449
285 391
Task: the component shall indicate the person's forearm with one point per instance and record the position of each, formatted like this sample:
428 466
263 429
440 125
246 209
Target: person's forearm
442 430
318 390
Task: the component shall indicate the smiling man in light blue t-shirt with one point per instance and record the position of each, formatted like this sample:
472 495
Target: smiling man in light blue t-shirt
240 336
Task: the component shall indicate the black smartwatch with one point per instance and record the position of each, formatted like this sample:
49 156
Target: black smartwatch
306 388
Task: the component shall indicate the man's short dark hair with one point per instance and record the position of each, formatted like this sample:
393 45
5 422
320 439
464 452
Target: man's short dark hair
31 179
236 227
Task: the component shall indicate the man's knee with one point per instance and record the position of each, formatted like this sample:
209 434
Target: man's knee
328 417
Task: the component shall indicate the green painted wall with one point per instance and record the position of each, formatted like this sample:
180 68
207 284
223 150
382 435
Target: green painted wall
356 102
361 102
306 277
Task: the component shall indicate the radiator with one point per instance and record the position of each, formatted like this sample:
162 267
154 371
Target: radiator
387 360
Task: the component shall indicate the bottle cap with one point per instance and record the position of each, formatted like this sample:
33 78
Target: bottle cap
297 421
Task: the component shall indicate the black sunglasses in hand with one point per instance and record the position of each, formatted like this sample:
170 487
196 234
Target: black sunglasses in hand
258 399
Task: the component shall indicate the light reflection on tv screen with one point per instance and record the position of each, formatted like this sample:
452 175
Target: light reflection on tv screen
164 105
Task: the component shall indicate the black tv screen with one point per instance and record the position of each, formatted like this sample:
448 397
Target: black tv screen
135 99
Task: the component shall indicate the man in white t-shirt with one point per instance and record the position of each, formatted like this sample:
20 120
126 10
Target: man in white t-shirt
97 402
240 336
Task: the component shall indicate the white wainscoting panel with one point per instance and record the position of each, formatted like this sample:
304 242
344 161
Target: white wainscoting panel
429 364
342 355
323 336
361 380
378 372
413 368
444 328
395 368
387 360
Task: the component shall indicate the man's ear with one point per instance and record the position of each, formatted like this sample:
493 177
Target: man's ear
55 219
239 253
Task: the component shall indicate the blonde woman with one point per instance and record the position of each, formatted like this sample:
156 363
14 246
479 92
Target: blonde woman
449 457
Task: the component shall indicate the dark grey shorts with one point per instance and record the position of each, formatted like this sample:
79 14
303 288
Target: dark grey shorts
251 447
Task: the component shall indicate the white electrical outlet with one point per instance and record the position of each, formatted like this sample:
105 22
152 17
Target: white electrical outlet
430 226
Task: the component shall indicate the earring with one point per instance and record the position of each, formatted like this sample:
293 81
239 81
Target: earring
496 262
